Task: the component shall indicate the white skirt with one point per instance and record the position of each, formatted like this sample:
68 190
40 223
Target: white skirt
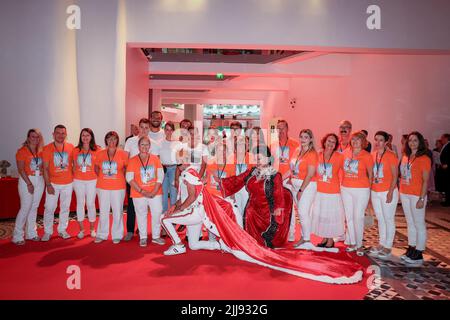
328 215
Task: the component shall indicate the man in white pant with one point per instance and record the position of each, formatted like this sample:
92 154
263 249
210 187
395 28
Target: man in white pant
57 158
187 211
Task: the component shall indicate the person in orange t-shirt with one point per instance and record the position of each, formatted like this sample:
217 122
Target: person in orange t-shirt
328 210
355 189
31 187
58 176
415 170
384 194
283 151
303 184
85 179
110 166
145 175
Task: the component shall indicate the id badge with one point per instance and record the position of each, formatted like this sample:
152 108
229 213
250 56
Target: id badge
325 178
83 169
37 173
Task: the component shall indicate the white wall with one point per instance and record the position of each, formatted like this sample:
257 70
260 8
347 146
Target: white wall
395 93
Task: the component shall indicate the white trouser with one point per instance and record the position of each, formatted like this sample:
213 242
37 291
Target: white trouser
85 191
110 199
64 192
304 206
292 224
415 219
241 198
385 213
355 203
29 204
193 222
141 205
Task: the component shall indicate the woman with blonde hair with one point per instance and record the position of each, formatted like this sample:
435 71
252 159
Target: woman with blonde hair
31 186
355 190
303 181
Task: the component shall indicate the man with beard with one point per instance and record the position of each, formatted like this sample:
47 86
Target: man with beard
345 130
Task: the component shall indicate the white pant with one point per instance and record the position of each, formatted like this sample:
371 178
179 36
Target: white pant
385 213
415 219
64 192
29 204
355 203
193 222
110 199
304 206
85 192
141 205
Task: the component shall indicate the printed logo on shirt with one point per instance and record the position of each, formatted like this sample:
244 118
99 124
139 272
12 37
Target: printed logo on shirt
284 154
109 169
147 174
86 159
325 170
405 172
61 160
34 166
351 167
378 174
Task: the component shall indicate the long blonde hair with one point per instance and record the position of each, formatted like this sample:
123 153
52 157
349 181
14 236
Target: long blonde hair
41 139
312 145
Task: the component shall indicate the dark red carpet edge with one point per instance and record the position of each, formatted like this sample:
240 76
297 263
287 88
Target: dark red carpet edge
127 271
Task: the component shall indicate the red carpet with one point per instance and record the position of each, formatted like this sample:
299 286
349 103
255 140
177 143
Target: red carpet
127 271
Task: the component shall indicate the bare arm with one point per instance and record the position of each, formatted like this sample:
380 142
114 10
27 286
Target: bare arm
49 186
421 203
23 174
394 171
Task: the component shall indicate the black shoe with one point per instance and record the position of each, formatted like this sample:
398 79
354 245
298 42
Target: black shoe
328 247
408 252
415 258
321 245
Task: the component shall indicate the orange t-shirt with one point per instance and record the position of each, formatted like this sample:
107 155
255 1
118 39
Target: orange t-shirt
219 170
84 164
111 174
59 162
355 169
283 153
32 165
327 173
382 173
299 165
411 174
146 175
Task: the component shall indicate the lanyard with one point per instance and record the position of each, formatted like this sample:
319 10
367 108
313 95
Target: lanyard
300 157
111 160
378 163
84 155
325 164
410 163
60 153
35 157
146 164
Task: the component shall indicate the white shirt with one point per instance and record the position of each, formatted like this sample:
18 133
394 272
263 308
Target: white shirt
195 155
157 136
168 152
132 147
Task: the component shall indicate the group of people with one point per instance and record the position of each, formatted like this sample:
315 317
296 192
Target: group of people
244 191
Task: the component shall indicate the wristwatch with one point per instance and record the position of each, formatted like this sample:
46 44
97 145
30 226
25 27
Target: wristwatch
421 198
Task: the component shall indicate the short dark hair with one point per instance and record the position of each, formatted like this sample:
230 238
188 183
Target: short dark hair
384 134
59 126
283 121
421 150
365 132
324 140
111 134
92 144
170 124
236 123
144 120
156 111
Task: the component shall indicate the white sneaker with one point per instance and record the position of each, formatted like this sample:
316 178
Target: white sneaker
159 241
98 240
46 237
143 242
410 262
19 243
35 239
305 246
93 234
80 235
175 249
374 252
116 241
64 235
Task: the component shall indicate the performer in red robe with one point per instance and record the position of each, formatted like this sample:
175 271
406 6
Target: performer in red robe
269 208
219 219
